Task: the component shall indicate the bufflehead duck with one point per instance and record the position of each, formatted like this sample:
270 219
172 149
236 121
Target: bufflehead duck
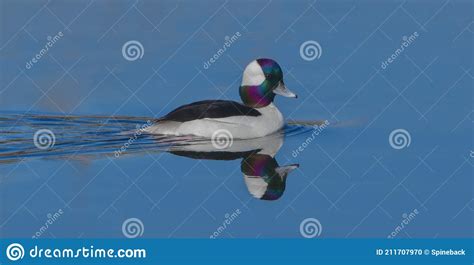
256 117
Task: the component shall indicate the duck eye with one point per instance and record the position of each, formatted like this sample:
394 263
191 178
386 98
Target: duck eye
269 75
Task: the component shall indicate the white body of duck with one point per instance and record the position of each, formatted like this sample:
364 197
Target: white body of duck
240 127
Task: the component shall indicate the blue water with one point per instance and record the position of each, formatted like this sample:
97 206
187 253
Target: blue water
349 177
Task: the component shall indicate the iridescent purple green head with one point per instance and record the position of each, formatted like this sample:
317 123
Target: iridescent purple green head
265 180
262 80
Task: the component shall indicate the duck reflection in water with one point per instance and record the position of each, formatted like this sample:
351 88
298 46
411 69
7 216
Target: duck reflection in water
265 179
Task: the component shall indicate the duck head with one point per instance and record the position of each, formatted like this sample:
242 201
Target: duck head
261 81
265 180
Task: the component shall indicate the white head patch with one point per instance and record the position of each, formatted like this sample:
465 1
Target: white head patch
253 75
256 186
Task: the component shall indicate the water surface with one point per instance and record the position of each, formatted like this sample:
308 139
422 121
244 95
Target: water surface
349 176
